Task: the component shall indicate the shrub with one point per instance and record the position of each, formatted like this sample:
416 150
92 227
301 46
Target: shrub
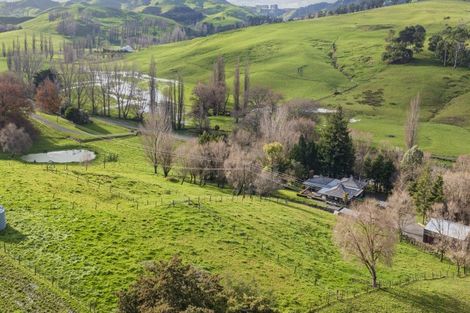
175 287
76 116
111 157
14 140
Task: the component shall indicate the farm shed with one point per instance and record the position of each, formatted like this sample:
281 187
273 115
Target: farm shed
440 227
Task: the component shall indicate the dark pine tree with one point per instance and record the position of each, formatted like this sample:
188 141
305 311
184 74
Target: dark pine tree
336 146
305 152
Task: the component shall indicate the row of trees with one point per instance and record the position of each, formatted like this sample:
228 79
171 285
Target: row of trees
271 146
108 89
212 98
356 7
449 45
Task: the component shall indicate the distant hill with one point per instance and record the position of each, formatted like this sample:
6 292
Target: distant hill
278 51
342 6
26 7
139 23
194 17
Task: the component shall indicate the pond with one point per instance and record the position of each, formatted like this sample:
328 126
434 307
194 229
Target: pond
66 156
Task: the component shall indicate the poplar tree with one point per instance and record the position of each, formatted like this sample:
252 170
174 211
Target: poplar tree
236 92
246 87
153 84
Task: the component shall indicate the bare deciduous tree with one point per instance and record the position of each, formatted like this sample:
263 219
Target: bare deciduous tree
14 140
262 97
440 223
370 236
156 133
140 104
166 152
457 193
241 170
119 87
460 254
402 207
67 74
133 78
92 76
187 155
412 122
215 153
80 85
105 83
200 107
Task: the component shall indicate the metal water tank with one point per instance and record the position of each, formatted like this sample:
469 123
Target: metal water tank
3 220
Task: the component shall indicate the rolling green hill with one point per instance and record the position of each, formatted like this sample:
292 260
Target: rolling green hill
92 228
293 59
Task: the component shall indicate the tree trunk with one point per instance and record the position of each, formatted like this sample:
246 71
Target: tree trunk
373 277
155 169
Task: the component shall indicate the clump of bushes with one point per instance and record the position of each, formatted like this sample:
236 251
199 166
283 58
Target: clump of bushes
76 116
174 287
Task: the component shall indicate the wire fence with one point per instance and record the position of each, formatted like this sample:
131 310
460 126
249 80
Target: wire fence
327 295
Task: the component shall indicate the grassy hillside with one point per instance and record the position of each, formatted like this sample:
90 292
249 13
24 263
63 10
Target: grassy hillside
22 291
278 51
438 296
92 229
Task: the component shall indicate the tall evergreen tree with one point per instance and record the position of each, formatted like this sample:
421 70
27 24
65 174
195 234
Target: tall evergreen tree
306 154
381 171
426 191
336 146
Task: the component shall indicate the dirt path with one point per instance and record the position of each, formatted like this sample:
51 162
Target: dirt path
56 126
132 127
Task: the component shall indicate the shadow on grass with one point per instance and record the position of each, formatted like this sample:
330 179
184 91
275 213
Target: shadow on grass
11 235
431 302
426 62
94 129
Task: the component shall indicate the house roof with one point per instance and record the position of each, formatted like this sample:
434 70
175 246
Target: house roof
353 183
339 191
332 187
321 182
448 228
127 49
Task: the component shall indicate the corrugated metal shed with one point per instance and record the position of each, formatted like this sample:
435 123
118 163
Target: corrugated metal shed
448 228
